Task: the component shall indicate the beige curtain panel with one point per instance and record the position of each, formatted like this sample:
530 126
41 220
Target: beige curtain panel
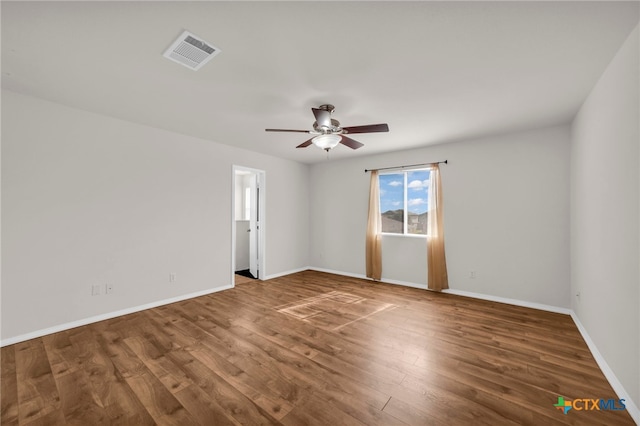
374 229
436 261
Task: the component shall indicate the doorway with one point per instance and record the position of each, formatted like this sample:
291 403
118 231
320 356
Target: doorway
247 228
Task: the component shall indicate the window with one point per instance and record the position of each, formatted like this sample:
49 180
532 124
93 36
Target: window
404 200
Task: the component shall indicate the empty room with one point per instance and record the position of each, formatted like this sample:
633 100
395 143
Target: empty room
320 213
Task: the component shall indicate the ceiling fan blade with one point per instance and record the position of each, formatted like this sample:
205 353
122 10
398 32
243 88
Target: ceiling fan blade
371 128
305 144
287 130
322 117
353 144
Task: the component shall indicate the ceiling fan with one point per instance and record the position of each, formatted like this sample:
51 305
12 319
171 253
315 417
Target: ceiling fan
328 132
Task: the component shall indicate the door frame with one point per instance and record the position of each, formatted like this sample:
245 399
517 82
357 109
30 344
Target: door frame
261 178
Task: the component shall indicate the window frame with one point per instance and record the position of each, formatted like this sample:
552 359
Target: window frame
405 222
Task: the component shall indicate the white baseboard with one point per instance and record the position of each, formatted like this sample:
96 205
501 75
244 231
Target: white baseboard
632 408
516 302
282 274
109 315
331 271
364 277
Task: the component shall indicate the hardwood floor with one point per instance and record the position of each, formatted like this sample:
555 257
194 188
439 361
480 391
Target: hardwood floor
239 279
310 348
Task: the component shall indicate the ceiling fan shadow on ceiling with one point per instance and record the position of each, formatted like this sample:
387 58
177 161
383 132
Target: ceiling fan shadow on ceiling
328 133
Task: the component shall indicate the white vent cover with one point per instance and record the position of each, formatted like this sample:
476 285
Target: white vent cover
191 51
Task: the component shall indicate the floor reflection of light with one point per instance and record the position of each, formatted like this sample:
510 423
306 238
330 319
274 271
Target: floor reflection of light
334 310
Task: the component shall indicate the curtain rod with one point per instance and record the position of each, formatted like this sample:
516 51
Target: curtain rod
410 165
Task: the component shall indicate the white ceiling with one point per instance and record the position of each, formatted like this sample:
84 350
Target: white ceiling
434 71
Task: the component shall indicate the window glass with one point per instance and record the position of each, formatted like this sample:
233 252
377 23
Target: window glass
417 201
404 200
392 202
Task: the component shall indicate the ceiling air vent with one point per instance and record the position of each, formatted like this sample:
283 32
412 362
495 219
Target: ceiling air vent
191 51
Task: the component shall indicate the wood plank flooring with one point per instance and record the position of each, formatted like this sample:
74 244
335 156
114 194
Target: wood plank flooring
309 349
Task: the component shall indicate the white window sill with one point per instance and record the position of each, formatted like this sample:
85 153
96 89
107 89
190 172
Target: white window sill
388 234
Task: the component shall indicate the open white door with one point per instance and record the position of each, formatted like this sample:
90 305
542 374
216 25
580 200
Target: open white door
254 224
248 218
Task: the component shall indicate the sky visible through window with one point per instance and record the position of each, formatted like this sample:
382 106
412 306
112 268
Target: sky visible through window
392 191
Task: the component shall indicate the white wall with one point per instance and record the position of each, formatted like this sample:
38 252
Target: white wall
242 245
239 198
88 199
605 216
506 216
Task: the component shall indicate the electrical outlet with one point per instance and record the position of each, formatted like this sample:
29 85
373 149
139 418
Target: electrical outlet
472 274
108 288
172 277
95 290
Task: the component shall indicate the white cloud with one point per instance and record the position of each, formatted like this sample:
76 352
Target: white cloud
395 183
418 184
416 201
396 203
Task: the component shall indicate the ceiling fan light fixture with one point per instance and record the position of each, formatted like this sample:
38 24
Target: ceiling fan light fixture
327 141
328 132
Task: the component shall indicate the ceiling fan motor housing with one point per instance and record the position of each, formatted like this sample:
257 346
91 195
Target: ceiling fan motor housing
335 127
327 107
